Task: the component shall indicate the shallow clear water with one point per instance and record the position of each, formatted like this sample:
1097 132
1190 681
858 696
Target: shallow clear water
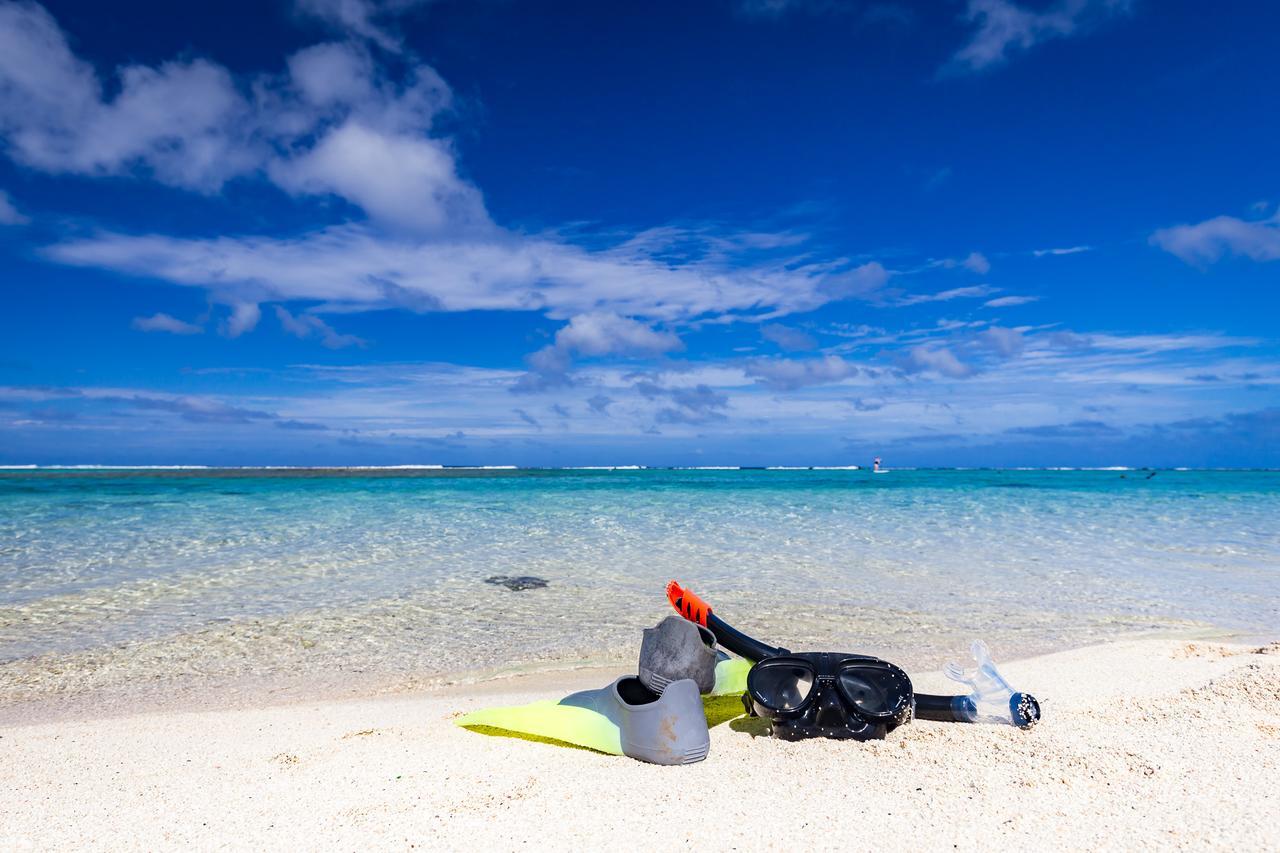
112 580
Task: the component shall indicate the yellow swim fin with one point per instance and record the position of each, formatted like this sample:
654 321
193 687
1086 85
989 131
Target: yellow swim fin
625 718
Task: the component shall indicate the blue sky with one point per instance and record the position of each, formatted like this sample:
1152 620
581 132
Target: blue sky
788 232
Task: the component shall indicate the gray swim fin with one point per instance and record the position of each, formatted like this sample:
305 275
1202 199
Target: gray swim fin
625 718
677 648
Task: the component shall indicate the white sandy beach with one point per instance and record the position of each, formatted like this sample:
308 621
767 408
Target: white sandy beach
1143 744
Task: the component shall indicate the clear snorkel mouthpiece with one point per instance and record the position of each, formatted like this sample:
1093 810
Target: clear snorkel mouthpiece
991 699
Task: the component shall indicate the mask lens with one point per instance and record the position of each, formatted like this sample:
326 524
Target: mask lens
875 692
782 686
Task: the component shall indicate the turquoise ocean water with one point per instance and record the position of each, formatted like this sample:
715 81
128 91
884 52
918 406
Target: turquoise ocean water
132 586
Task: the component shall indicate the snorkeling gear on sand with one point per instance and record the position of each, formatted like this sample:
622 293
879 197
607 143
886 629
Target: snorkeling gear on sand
848 696
657 716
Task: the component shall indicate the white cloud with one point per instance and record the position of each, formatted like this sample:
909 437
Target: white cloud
43 86
165 323
244 318
593 335
331 74
1010 301
1003 28
1005 342
602 333
1209 241
788 374
333 123
974 262
1152 344
10 215
183 122
941 360
977 262
402 181
788 338
355 268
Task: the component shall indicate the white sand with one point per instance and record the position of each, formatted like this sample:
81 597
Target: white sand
1146 744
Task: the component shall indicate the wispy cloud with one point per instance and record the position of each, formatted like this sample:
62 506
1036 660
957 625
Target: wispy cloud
301 425
1010 301
369 19
1210 240
1069 250
1005 342
195 409
353 267
972 292
1004 28
788 338
311 326
598 333
787 374
528 418
9 214
1074 429
165 323
974 262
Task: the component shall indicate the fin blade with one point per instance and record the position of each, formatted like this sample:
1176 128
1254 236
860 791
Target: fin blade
550 720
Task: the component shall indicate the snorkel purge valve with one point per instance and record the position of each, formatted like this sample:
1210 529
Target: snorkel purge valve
991 699
849 696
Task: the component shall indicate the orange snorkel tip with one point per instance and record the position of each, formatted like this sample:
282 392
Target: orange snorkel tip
688 604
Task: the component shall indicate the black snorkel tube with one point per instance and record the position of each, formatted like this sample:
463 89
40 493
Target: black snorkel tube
739 643
690 606
992 700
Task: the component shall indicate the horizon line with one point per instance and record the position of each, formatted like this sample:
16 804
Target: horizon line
418 467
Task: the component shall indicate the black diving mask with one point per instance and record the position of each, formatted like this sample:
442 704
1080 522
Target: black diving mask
828 694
